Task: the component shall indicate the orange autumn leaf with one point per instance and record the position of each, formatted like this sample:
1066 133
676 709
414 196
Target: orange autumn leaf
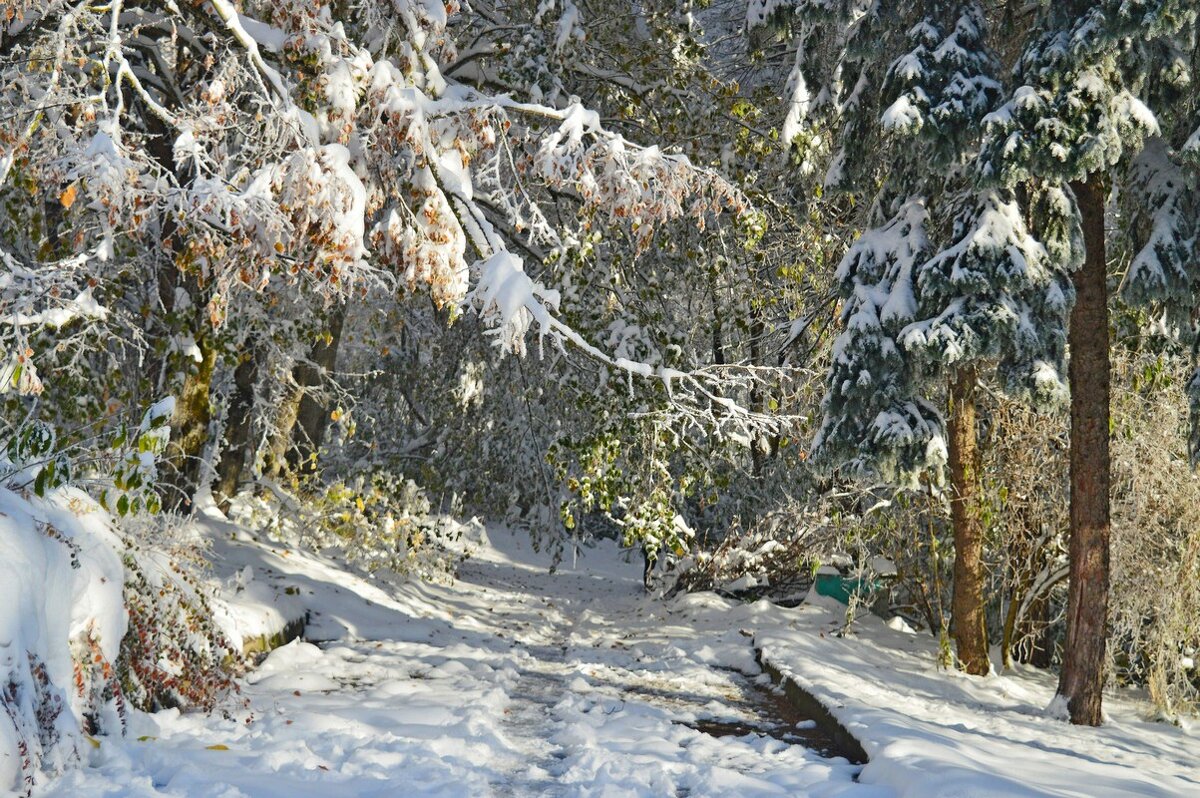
67 198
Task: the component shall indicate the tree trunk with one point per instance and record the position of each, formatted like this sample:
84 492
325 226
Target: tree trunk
183 461
760 444
276 456
237 432
967 609
182 465
301 420
1041 654
312 416
1082 678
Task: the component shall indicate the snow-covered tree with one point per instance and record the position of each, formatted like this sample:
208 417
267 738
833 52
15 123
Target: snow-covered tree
713 301
1078 107
966 283
238 166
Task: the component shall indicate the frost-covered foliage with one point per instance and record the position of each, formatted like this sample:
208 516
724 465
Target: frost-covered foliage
1159 208
214 184
1024 470
284 141
776 556
915 107
995 292
726 320
376 521
1156 545
175 653
222 185
380 521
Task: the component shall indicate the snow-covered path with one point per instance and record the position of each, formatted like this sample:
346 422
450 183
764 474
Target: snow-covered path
513 681
609 693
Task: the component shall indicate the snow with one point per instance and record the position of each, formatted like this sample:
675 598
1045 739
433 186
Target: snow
60 584
508 299
234 23
760 12
799 102
932 733
901 115
350 218
82 306
518 681
1191 147
513 681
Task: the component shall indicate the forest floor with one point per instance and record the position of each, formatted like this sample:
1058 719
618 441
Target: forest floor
514 681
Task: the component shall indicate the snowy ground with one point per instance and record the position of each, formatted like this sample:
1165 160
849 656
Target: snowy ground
933 733
514 681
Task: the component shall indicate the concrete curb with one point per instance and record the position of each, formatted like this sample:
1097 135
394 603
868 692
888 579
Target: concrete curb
808 704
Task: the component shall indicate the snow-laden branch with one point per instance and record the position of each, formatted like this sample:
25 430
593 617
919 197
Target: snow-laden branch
275 142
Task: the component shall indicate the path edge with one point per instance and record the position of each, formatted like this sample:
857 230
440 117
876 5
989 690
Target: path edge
807 703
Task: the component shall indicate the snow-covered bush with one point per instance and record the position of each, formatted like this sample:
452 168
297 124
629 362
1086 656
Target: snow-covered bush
175 654
62 614
384 521
775 556
377 521
102 604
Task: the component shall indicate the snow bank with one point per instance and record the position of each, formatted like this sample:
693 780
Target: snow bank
61 583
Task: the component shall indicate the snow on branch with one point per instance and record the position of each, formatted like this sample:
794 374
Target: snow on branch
261 143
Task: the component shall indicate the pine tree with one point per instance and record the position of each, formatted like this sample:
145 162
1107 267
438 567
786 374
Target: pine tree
876 425
1077 110
980 289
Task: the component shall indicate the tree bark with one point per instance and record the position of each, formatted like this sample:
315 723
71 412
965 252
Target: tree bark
1041 654
275 459
1082 678
302 419
967 607
237 432
183 461
312 416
